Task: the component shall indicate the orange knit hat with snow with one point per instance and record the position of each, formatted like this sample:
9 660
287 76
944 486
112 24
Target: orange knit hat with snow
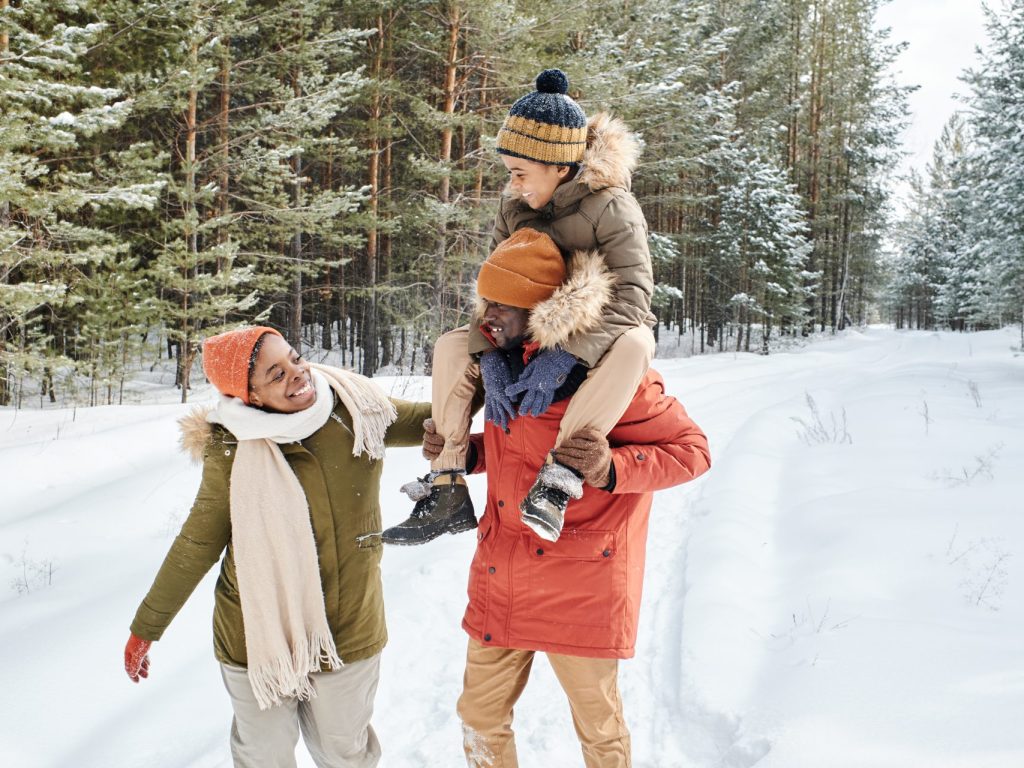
522 271
227 358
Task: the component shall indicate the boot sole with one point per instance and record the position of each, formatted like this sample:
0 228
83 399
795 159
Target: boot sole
453 528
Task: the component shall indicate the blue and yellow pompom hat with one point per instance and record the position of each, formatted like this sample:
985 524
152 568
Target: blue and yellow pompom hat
545 126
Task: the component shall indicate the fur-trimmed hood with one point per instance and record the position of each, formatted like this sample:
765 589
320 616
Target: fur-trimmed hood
196 433
612 153
577 306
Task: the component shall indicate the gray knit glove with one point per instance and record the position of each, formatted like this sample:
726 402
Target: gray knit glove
498 407
545 373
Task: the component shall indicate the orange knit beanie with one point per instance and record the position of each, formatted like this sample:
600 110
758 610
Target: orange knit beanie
226 359
522 271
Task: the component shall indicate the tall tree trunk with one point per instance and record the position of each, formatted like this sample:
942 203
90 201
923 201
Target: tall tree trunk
453 23
295 317
327 294
386 242
186 349
5 220
815 108
223 139
793 123
370 341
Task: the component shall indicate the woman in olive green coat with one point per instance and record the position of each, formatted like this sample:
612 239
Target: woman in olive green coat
291 474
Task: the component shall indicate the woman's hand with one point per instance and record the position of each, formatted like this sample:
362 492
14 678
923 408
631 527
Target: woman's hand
136 658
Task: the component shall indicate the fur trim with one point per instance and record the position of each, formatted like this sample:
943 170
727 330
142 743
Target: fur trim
612 153
479 306
196 433
579 303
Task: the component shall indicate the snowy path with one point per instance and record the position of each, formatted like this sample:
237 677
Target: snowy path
806 606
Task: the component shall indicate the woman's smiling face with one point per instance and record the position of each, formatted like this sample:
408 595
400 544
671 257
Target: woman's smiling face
280 380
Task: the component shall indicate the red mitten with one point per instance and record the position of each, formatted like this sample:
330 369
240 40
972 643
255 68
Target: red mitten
136 660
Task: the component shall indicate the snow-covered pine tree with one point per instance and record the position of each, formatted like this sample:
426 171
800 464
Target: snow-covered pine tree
917 274
455 68
996 117
53 191
297 205
659 68
199 287
959 299
764 229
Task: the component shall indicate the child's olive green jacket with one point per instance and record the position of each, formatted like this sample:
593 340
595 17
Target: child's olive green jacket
343 495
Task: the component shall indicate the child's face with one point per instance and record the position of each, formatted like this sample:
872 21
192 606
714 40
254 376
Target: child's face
534 182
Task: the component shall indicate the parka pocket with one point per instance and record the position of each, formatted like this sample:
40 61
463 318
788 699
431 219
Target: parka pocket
367 530
369 540
477 587
574 580
484 528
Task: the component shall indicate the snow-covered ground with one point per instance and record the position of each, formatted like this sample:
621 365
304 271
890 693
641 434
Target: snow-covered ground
851 599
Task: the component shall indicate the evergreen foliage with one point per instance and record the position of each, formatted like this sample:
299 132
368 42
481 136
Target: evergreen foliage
171 168
960 246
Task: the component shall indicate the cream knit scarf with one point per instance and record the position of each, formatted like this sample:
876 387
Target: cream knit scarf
286 632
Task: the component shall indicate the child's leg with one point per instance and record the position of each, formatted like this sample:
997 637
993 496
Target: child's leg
598 403
609 388
444 506
453 384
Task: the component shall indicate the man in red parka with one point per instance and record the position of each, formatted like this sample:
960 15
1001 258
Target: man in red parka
576 599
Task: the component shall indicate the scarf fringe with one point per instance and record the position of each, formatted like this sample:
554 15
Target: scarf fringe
284 678
371 410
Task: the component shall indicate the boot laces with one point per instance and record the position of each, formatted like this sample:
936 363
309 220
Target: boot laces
423 505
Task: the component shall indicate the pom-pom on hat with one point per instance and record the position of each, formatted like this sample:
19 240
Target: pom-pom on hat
545 126
227 357
522 271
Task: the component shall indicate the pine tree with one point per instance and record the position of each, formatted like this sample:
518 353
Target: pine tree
52 195
764 231
997 120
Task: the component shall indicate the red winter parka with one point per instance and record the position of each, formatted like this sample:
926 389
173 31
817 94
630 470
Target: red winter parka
580 595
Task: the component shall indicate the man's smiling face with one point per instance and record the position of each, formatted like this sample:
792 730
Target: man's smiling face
505 324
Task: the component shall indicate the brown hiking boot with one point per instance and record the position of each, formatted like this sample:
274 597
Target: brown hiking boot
445 508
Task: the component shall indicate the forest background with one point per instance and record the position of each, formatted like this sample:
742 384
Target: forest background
171 168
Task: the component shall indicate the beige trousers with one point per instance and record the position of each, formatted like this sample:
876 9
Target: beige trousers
335 725
599 402
494 680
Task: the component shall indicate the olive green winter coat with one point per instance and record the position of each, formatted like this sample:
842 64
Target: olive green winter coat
343 495
595 211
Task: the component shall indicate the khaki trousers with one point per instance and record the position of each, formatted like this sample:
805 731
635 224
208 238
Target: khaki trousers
599 402
335 724
493 682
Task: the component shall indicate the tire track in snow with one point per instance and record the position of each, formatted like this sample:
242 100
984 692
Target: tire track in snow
696 732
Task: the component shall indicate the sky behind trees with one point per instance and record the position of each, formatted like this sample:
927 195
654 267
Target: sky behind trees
943 35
